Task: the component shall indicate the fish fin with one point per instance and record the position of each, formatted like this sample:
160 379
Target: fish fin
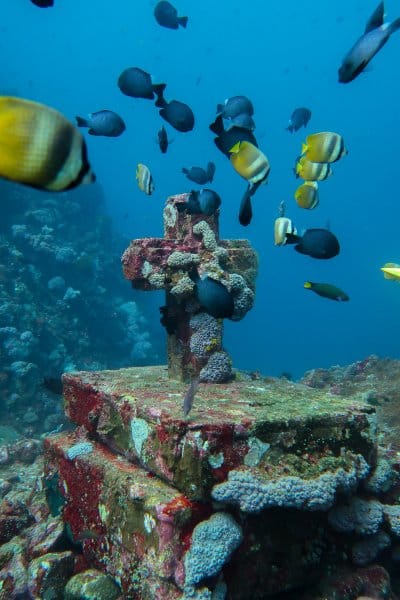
292 238
193 273
235 148
245 210
304 148
183 21
158 89
394 26
93 132
217 126
81 122
376 19
210 171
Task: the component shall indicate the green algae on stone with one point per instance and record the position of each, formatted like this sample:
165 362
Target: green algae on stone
92 585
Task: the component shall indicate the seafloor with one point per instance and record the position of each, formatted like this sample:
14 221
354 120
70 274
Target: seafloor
269 489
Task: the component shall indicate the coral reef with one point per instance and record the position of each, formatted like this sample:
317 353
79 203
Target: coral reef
241 501
58 262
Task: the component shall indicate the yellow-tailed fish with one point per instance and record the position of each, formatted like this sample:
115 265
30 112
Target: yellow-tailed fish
306 195
312 171
249 162
391 271
283 226
145 179
39 147
327 290
324 147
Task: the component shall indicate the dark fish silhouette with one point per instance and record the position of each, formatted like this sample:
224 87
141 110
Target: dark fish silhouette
205 202
317 243
136 83
43 3
102 122
178 114
234 106
167 16
227 138
374 38
212 296
199 175
163 140
299 118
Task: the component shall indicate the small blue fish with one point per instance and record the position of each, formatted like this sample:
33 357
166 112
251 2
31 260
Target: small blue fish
166 15
199 175
299 118
163 140
234 106
102 122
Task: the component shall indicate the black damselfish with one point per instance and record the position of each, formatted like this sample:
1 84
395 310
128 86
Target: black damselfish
203 202
43 3
163 140
212 296
227 138
200 175
136 83
166 15
317 243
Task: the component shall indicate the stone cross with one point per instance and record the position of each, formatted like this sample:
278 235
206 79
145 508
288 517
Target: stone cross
194 338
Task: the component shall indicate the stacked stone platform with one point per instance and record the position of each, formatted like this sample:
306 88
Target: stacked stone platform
141 484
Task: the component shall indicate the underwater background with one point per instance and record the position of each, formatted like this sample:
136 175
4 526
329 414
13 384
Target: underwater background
281 55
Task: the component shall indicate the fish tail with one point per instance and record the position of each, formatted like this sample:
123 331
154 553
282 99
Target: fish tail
292 238
158 89
289 128
245 210
210 171
394 26
218 126
81 122
183 21
185 171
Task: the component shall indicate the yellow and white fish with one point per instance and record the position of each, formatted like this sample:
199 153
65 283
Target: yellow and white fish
39 147
249 162
144 179
283 226
324 147
312 171
391 271
306 195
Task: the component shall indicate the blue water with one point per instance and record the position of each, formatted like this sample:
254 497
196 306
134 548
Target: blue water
282 55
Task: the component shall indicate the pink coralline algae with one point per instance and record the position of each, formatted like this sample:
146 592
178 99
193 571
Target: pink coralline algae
153 263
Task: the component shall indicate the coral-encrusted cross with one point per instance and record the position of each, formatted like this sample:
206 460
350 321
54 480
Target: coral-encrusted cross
194 338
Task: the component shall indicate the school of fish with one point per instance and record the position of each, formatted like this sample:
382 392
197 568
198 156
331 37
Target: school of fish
41 148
